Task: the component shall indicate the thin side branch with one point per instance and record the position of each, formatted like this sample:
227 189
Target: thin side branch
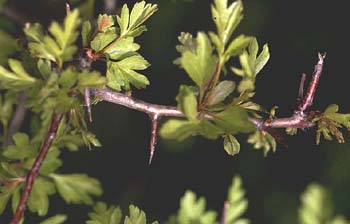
136 104
225 212
307 101
36 167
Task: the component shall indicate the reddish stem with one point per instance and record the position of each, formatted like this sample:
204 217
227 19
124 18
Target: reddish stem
35 168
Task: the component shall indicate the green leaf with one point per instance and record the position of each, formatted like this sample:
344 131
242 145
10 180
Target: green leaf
86 33
122 73
103 215
91 79
68 78
262 141
262 59
102 40
209 130
65 36
234 120
44 67
121 48
18 79
8 45
77 188
231 145
57 219
187 102
200 65
192 210
130 24
237 203
226 18
136 216
39 196
221 91
22 148
237 46
316 207
51 162
187 43
178 129
60 46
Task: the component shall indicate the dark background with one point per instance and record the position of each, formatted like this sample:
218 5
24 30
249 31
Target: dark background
295 31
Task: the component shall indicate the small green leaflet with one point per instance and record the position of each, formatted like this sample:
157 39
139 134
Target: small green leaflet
60 46
251 65
317 207
57 219
234 120
178 129
237 203
120 74
231 145
221 91
39 196
103 215
8 45
329 123
77 188
17 79
200 65
131 23
136 216
193 210
226 18
187 102
22 149
264 141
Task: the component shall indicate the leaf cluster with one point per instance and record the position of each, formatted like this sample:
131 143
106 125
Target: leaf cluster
214 107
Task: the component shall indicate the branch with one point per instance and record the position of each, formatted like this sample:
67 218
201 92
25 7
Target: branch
225 212
36 167
299 119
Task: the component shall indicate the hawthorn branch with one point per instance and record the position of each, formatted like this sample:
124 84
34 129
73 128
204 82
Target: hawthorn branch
299 118
30 178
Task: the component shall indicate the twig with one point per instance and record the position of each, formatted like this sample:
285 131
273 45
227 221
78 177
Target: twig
225 212
307 101
30 178
17 119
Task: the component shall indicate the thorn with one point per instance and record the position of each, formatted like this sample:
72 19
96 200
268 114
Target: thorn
67 8
88 102
154 127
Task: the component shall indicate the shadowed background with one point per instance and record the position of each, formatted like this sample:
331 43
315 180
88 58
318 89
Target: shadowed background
295 31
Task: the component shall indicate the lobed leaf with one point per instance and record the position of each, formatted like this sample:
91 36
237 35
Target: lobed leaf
76 188
17 78
200 65
39 196
103 215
